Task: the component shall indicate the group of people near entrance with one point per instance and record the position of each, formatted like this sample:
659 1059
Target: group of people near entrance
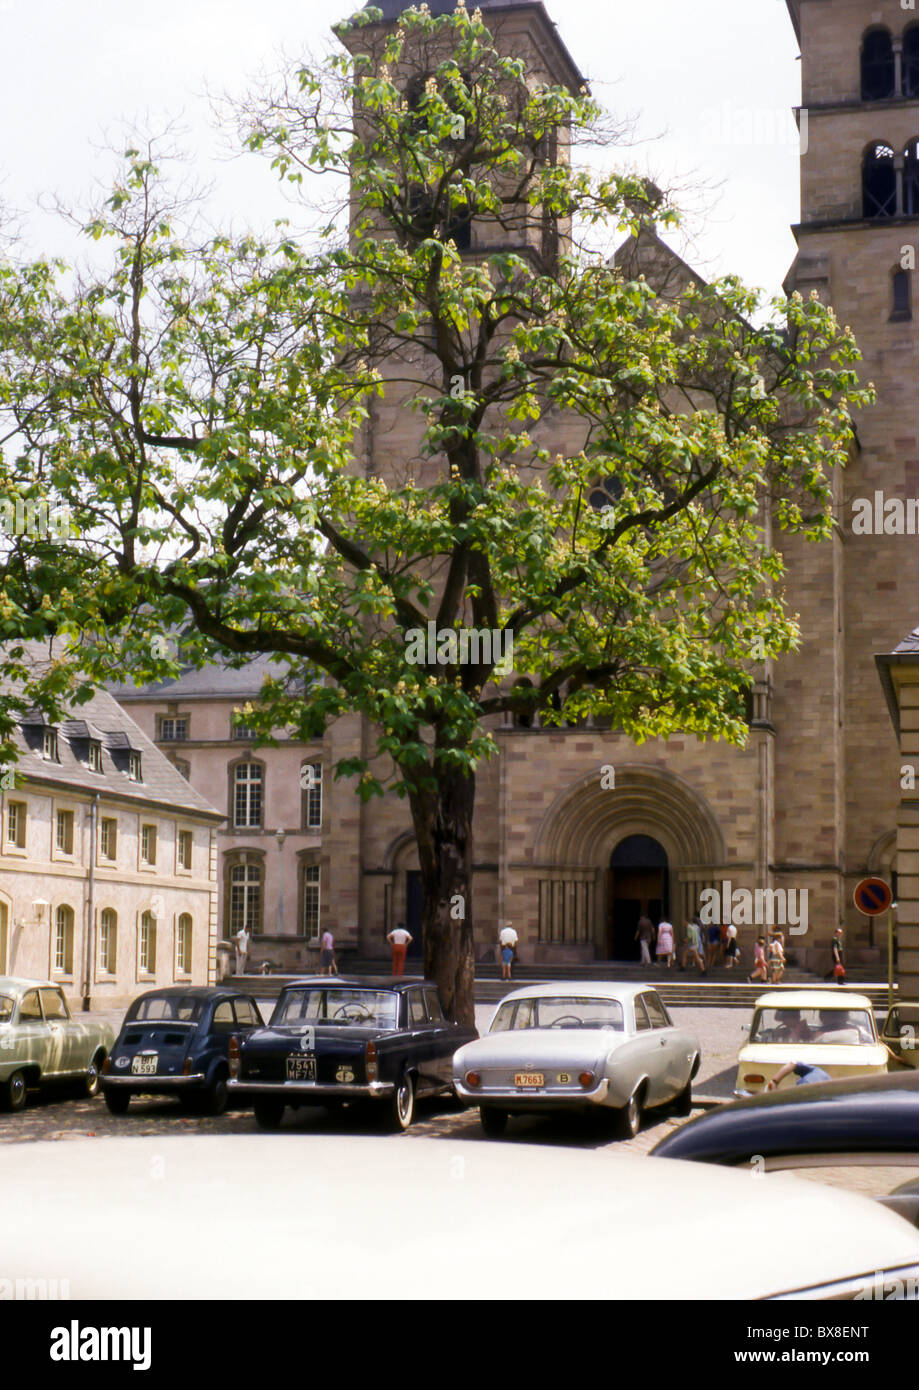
701 946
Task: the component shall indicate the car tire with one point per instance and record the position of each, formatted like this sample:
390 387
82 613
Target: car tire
17 1092
628 1118
92 1080
117 1101
214 1098
682 1102
268 1113
400 1109
493 1121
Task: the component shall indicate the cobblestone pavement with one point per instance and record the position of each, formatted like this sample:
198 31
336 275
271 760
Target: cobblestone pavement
60 1115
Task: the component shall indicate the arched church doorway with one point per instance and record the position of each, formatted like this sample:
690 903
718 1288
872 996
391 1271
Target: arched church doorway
639 885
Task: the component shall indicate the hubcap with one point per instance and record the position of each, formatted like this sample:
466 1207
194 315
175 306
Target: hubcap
17 1087
404 1101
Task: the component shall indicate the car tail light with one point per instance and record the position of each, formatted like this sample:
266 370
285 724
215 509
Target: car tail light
233 1056
473 1078
186 1069
106 1066
753 1079
370 1058
586 1079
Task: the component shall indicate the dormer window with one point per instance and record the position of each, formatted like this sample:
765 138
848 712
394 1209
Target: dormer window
134 766
95 755
49 746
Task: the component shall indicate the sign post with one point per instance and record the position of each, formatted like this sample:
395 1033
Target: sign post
872 897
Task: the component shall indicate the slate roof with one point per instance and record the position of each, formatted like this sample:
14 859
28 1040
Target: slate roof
215 681
103 719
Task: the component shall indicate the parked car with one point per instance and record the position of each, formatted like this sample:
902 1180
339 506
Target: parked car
175 1042
339 1040
450 1221
571 1047
41 1042
901 1034
826 1028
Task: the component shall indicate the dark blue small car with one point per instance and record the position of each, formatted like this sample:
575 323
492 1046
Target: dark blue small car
174 1042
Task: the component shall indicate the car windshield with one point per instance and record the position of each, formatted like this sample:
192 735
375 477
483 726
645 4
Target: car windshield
820 1026
176 1008
6 1008
563 1011
378 1008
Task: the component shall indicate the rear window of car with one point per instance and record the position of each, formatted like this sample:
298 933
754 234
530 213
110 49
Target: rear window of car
371 1007
175 1008
6 1008
558 1012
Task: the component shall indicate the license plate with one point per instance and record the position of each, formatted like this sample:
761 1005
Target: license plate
145 1065
301 1068
529 1078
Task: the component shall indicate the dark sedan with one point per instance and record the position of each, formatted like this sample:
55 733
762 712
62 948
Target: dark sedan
175 1042
330 1042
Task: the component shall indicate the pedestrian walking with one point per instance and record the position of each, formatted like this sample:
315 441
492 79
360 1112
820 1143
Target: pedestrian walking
759 972
693 948
644 935
327 964
665 944
731 950
713 945
241 941
399 940
776 958
507 945
838 967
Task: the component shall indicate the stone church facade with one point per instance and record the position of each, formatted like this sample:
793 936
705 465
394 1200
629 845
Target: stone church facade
579 829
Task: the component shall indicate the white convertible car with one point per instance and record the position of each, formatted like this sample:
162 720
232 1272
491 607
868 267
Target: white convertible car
574 1046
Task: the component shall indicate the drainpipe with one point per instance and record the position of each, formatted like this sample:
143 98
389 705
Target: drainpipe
89 927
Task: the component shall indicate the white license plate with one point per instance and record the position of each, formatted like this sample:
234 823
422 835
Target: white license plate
301 1068
529 1078
145 1065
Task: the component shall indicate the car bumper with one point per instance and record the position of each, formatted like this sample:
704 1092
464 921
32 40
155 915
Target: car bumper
318 1090
510 1098
153 1083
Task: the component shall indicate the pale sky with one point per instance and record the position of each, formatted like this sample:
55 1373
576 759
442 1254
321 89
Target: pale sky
711 82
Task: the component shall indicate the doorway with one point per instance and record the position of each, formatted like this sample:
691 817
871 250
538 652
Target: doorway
639 885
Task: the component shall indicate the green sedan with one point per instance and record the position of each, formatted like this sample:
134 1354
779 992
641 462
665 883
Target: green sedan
41 1042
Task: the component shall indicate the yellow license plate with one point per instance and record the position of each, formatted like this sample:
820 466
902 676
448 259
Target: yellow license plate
529 1078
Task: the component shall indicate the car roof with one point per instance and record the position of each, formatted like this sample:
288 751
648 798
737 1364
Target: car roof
198 991
19 983
399 983
596 989
831 998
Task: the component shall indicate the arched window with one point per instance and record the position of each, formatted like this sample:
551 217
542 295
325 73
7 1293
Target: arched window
911 62
877 66
879 181
245 898
901 292
523 718
247 796
108 940
63 940
146 945
911 179
183 944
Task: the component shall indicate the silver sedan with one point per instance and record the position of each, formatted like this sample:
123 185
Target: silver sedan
574 1046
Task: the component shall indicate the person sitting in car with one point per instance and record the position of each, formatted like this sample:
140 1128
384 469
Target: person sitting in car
793 1028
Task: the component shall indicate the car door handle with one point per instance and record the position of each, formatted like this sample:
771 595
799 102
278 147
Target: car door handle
663 1042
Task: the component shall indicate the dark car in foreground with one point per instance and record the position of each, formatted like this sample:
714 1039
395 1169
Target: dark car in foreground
865 1121
175 1042
338 1041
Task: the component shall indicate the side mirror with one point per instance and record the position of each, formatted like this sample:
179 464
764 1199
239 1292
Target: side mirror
745 1028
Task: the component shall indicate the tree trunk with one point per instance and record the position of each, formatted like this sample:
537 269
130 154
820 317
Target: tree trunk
443 831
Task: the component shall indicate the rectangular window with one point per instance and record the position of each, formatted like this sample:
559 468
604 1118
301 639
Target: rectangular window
148 844
64 832
245 898
173 728
239 728
311 900
183 944
185 848
314 797
16 823
108 934
63 940
146 952
95 756
108 837
134 767
49 745
247 800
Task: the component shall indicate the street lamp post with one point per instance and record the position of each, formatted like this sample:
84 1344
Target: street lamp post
280 836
